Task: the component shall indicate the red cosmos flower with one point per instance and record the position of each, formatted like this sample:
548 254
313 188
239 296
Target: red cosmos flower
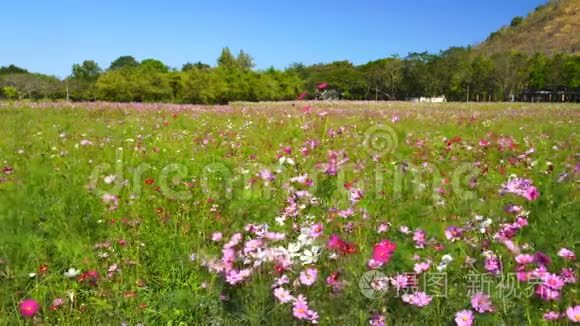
322 86
149 181
8 170
89 277
279 269
43 269
337 244
302 96
383 251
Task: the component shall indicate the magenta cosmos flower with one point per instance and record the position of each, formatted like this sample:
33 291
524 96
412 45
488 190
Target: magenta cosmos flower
29 307
383 251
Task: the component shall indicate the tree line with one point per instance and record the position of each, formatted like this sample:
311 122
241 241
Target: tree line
459 73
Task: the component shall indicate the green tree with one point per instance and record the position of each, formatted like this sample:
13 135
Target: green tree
245 61
9 92
198 65
227 59
89 70
12 69
537 71
126 61
153 65
510 73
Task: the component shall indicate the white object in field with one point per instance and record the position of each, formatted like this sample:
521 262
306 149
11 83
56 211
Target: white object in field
435 99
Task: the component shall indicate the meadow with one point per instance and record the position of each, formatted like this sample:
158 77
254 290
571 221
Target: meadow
289 213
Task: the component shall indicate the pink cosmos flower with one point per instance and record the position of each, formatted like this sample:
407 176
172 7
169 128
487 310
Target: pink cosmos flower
322 86
111 201
552 281
316 230
266 175
464 318
551 315
419 299
524 259
453 233
355 195
521 187
283 295
234 277
234 240
492 264
29 307
308 276
300 310
542 259
573 314
383 228
377 320
531 193
421 267
546 293
568 275
346 213
280 281
567 254
420 237
216 236
400 281
335 283
86 142
512 246
482 303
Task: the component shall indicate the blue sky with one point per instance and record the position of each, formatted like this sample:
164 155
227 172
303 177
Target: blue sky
49 36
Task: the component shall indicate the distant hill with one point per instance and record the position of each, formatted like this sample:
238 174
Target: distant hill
550 29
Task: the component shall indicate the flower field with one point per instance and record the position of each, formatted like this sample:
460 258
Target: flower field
289 213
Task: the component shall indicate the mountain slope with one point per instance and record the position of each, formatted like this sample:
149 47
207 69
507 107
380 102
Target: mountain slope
550 29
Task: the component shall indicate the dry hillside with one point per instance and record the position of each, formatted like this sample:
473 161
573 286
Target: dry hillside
550 29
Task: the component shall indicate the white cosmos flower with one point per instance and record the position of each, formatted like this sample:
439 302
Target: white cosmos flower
280 220
110 179
72 272
294 249
447 258
310 256
305 239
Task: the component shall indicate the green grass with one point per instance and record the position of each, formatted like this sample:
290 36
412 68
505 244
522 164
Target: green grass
50 215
